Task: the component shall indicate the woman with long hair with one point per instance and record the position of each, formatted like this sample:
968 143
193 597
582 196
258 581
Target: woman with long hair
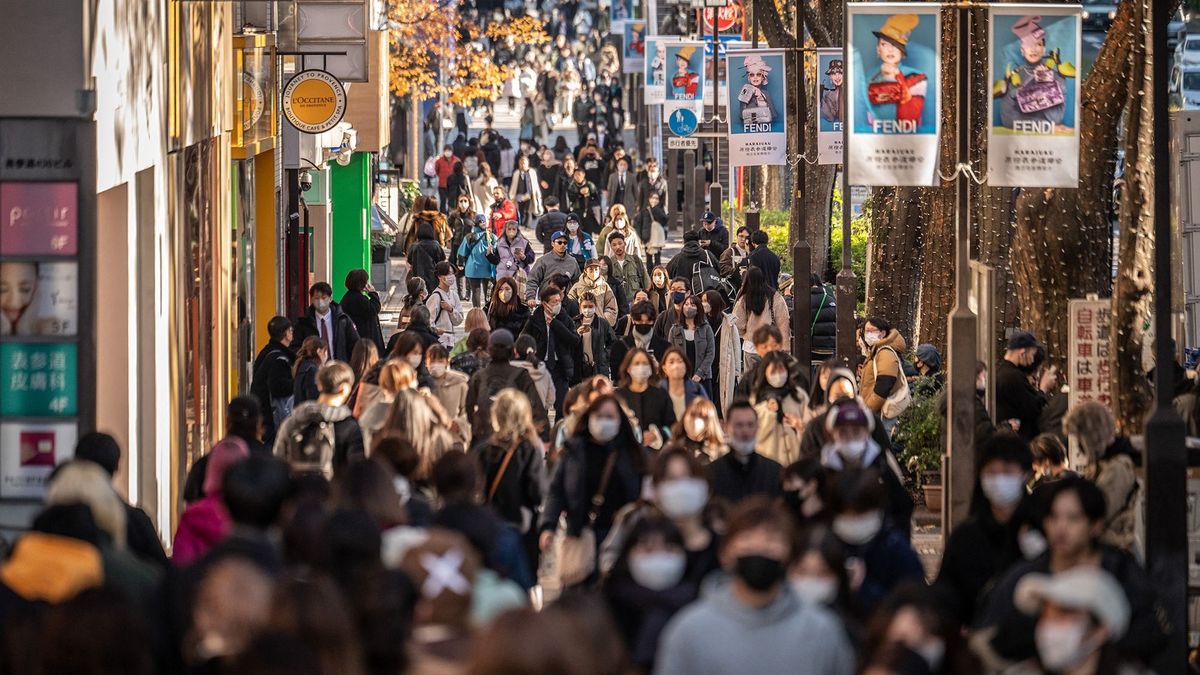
618 221
394 377
363 358
422 418
651 406
778 394
482 187
506 310
676 380
692 334
312 353
699 431
727 363
514 464
757 305
415 295
660 288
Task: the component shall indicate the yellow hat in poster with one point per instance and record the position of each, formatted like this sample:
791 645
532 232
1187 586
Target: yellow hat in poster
314 101
897 28
685 53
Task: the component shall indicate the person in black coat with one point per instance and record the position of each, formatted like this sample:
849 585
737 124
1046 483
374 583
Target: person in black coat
425 254
505 309
557 341
339 332
496 376
271 376
140 535
1016 397
742 472
823 315
593 328
714 236
361 303
550 222
683 264
763 258
641 335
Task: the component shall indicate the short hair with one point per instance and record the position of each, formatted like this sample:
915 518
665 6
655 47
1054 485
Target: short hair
398 452
356 280
767 332
615 235
587 296
1006 446
858 491
436 352
561 280
244 414
760 238
740 404
759 512
682 280
101 449
334 375
550 200
741 229
456 476
255 489
1048 447
643 308
879 322
549 291
321 287
419 314
1091 498
278 326
443 268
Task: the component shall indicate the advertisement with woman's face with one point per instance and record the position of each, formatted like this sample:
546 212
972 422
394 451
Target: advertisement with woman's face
39 299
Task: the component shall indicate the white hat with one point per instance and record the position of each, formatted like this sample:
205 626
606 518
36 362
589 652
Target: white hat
1081 588
755 64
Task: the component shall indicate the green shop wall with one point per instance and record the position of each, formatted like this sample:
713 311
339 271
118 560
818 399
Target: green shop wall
350 197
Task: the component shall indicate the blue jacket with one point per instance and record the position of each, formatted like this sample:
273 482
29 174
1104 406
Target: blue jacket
473 250
691 389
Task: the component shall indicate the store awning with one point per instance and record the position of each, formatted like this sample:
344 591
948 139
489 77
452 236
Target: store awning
381 221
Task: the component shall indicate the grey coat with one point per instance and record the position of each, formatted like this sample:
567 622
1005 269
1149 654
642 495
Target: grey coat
706 347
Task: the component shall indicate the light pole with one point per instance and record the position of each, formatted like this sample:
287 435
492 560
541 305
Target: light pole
801 249
847 293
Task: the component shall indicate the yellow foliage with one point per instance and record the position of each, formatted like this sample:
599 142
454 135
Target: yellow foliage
433 50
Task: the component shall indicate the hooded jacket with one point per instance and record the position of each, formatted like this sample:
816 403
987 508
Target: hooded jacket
437 225
50 567
717 238
424 255
881 371
473 253
684 262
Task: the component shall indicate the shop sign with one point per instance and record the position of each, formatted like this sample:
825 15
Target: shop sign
252 101
38 379
314 101
39 218
31 451
731 19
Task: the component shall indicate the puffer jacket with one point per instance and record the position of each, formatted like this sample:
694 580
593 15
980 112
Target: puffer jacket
823 315
507 251
424 256
883 360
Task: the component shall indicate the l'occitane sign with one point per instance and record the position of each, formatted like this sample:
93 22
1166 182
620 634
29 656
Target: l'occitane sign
314 101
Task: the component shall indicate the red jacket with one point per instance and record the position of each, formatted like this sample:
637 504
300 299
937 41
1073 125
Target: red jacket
506 212
443 168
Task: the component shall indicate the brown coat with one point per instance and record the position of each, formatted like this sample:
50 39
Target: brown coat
441 228
882 362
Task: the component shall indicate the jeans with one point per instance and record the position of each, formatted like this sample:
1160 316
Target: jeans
480 290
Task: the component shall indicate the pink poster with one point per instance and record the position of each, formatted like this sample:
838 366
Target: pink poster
39 218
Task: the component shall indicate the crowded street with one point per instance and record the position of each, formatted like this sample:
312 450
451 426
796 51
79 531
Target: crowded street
599 337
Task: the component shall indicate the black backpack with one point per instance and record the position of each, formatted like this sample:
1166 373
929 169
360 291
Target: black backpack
492 383
309 446
705 277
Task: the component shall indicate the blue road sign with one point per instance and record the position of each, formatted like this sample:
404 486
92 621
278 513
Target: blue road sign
683 122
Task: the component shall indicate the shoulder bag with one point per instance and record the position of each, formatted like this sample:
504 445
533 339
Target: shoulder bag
897 401
576 556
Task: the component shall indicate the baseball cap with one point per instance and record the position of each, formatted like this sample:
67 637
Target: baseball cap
501 337
558 234
1022 339
708 216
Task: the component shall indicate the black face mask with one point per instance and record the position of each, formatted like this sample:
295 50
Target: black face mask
792 500
677 297
642 328
759 572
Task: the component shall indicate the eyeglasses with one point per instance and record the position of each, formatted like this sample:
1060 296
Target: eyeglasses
559 243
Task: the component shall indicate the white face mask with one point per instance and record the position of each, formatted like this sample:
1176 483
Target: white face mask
571 227
933 651
554 309
682 497
858 530
777 379
657 571
604 429
1032 544
414 360
1061 645
437 369
852 450
589 312
742 448
815 590
639 373
321 305
695 428
1003 490
871 338
448 279
619 223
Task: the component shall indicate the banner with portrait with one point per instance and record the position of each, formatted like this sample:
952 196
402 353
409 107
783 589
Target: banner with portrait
633 46
620 11
894 86
684 89
756 107
1033 112
831 74
654 70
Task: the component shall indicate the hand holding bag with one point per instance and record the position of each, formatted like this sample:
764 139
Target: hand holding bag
576 556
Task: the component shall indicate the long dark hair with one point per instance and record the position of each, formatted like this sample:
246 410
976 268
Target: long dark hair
650 525
626 438
687 364
499 309
414 286
755 291
716 303
700 318
308 352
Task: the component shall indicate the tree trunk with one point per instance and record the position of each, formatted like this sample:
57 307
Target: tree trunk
894 270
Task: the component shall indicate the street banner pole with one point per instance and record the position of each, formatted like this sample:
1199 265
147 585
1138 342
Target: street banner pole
847 295
801 249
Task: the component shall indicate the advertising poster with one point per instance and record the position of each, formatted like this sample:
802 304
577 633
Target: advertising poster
831 75
655 68
39 298
38 379
757 107
634 47
29 452
685 83
620 11
894 88
1033 113
38 218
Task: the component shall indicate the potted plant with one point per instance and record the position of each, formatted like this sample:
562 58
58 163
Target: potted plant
919 438
381 243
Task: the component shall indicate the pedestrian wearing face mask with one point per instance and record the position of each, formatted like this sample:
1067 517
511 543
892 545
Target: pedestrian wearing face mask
804 489
819 576
450 388
600 471
883 557
618 221
639 335
324 318
557 341
699 431
727 359
444 305
986 544
742 472
753 622
679 291
1107 459
596 283
596 337
676 379
778 394
394 376
506 310
882 383
639 390
912 618
660 288
1018 401
647 586
692 334
850 447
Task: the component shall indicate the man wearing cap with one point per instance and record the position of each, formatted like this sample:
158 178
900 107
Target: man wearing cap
552 221
499 374
685 82
714 236
555 261
754 102
831 96
1033 90
1018 401
849 446
896 93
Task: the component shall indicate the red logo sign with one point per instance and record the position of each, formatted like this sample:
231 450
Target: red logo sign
39 218
730 19
37 448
